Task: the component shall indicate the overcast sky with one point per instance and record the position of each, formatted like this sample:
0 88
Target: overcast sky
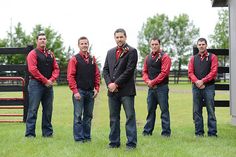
97 19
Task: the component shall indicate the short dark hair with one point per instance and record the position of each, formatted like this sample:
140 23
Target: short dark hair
83 38
120 30
40 34
156 38
202 39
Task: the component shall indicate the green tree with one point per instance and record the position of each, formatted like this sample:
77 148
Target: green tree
177 37
19 38
183 35
54 43
220 38
156 26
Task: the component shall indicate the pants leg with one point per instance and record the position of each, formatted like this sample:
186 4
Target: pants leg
151 107
114 108
197 111
209 94
47 107
163 97
88 114
35 94
130 126
78 124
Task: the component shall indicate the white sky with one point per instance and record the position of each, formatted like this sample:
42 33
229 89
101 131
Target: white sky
98 19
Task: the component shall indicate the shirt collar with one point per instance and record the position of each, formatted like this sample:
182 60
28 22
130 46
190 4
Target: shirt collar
205 54
42 50
84 55
155 53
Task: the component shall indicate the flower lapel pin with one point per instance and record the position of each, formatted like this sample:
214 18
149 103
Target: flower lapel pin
124 51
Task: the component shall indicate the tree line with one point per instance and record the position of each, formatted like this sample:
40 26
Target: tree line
177 35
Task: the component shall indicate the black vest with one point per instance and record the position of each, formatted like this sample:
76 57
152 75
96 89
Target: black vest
202 68
154 68
85 73
44 64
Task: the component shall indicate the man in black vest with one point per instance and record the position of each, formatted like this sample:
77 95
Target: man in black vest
119 75
156 71
202 71
44 71
84 80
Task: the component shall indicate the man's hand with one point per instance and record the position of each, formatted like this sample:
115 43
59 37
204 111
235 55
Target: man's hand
95 93
149 83
112 87
49 83
200 84
77 96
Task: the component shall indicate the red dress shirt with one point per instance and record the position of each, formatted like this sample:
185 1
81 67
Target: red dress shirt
211 75
118 52
165 69
71 73
32 67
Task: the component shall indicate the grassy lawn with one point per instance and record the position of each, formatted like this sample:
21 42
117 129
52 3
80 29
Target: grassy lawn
182 143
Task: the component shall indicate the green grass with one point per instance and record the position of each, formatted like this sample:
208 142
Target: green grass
182 143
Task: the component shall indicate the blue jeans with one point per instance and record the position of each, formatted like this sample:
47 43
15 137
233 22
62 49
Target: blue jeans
83 114
200 97
130 126
39 93
159 96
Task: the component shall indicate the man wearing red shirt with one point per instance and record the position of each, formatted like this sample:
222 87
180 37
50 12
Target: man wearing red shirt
202 71
43 70
156 71
84 81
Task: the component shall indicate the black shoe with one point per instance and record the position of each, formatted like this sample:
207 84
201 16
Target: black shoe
165 135
87 140
130 147
212 135
29 136
48 136
79 141
113 146
199 135
147 134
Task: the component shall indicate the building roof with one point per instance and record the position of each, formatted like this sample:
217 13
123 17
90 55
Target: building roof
219 3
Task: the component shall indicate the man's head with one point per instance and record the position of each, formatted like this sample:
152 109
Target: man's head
202 45
41 40
83 44
155 44
120 37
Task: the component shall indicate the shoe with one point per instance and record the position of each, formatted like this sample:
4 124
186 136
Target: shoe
29 136
79 141
147 134
113 146
165 135
48 136
212 135
199 135
87 140
130 147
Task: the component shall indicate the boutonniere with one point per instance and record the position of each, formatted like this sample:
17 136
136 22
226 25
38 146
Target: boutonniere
93 60
124 51
49 52
207 56
159 57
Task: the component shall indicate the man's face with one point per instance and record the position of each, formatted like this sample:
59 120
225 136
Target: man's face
41 41
83 45
120 39
202 46
155 46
